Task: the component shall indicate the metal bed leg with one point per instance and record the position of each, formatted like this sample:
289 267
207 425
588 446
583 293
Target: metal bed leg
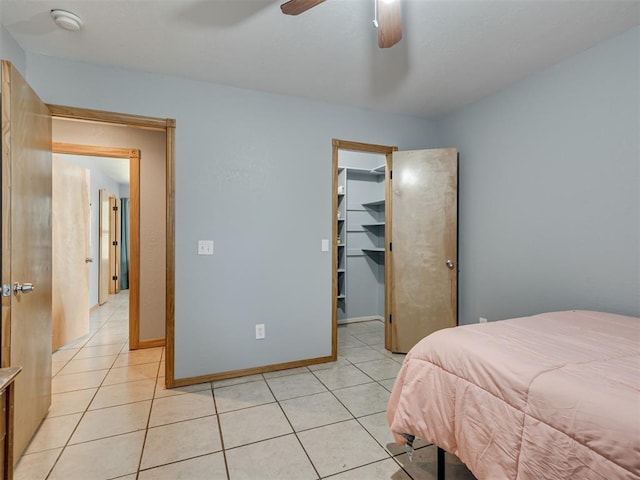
440 463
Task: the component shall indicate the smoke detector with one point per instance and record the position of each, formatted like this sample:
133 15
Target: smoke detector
67 20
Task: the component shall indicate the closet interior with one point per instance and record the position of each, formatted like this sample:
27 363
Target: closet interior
360 192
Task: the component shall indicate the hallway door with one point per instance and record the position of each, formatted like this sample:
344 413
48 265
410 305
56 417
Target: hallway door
115 226
26 251
104 247
71 251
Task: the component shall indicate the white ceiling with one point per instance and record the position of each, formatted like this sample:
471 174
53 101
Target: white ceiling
453 52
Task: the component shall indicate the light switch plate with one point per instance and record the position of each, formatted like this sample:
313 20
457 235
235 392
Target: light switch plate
205 247
325 245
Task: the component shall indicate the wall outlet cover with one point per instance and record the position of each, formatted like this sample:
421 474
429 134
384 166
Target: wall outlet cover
205 247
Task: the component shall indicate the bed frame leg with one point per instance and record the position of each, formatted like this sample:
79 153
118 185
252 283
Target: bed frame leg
440 462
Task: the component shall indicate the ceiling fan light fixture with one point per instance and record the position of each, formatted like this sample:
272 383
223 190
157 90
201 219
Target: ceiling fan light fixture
387 17
388 21
296 7
66 20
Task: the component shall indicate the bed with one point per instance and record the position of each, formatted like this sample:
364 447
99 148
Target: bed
553 396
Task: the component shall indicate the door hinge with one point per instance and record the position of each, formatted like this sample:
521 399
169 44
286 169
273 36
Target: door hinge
115 277
390 174
391 246
6 290
114 243
115 208
390 318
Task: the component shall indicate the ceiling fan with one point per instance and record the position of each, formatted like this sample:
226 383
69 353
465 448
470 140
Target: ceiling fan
388 18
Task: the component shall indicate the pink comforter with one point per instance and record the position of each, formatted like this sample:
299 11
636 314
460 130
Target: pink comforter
553 396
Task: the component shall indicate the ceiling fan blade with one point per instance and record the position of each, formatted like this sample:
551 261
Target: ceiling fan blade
296 7
389 23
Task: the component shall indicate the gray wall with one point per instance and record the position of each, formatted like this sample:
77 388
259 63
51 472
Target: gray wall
549 189
253 173
10 50
549 201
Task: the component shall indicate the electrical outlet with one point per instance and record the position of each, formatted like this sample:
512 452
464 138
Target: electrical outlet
482 320
260 331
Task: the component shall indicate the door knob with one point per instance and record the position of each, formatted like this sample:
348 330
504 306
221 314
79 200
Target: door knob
450 264
24 288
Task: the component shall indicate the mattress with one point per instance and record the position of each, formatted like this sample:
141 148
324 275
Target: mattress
552 396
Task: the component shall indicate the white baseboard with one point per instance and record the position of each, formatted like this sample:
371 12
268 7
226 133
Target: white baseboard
345 321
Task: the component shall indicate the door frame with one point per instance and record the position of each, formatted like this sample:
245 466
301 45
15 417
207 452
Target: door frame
133 155
168 125
387 151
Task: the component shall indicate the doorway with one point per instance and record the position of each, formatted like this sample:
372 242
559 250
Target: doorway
26 227
404 231
106 235
152 140
359 285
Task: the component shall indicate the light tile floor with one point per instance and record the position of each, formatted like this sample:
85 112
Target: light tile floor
111 416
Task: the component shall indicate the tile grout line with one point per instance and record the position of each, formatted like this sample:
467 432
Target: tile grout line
55 463
315 469
146 430
390 454
353 417
224 450
80 348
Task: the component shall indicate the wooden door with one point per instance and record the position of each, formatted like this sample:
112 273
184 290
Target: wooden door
423 233
104 247
26 250
71 211
114 251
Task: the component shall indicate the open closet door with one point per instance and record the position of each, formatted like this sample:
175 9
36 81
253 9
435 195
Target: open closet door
26 251
422 230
